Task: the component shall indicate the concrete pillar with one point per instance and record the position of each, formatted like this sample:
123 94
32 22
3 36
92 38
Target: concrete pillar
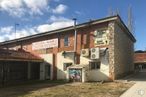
42 71
29 71
83 75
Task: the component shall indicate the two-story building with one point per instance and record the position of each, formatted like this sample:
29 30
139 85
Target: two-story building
101 49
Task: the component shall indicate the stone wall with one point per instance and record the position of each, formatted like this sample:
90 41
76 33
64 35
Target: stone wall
111 49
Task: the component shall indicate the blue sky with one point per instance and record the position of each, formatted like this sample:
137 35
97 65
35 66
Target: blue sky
36 16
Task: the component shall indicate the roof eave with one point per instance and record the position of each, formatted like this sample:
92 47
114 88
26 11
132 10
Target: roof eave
123 24
107 19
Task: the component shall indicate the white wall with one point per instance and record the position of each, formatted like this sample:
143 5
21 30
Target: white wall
61 74
97 74
89 75
49 59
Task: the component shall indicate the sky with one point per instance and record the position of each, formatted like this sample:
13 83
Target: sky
36 16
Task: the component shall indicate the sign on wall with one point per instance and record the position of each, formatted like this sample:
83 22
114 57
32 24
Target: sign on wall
45 44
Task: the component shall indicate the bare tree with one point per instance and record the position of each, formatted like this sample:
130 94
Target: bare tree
130 20
117 12
110 12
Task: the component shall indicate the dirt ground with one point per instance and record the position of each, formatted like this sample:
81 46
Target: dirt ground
110 89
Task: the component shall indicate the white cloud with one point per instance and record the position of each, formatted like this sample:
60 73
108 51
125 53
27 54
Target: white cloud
13 7
78 13
20 7
8 33
58 19
6 4
60 9
36 6
6 30
57 22
53 26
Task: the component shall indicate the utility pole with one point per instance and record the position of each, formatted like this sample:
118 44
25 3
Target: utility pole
75 39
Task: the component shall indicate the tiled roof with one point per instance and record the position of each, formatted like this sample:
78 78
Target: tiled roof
140 58
19 55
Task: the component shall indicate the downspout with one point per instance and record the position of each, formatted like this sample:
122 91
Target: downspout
75 39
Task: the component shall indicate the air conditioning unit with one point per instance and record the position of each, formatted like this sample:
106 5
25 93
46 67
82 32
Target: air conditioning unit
85 52
95 53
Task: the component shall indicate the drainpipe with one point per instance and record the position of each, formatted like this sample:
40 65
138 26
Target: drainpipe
75 39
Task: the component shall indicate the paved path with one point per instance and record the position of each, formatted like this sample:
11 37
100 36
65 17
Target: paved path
139 89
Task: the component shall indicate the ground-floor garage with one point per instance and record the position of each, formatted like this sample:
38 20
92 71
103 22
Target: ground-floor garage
12 72
18 66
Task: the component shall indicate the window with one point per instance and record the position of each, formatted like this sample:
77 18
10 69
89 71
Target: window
100 33
100 37
66 41
65 65
94 65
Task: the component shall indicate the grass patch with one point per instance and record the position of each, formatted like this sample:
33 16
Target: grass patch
63 89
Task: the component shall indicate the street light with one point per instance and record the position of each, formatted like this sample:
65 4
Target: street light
16 24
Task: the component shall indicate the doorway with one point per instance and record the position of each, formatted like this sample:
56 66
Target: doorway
141 67
47 71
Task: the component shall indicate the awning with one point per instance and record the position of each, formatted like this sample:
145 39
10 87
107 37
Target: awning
19 55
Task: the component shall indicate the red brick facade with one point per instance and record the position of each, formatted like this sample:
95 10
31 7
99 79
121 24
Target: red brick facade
85 39
140 58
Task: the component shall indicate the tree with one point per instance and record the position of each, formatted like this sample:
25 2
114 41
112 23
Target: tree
130 20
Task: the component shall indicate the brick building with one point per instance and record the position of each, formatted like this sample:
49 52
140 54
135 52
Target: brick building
140 61
103 50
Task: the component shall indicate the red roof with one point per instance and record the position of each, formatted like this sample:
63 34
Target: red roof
140 58
19 55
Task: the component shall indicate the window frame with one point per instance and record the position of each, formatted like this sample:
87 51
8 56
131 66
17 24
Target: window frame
94 65
65 65
100 33
66 40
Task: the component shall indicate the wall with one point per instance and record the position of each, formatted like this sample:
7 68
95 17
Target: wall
85 39
49 59
69 58
123 52
97 74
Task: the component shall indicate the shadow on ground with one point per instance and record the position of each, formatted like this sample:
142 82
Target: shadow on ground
27 88
136 77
